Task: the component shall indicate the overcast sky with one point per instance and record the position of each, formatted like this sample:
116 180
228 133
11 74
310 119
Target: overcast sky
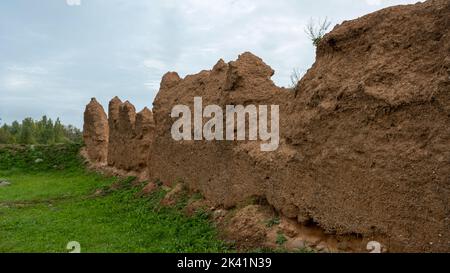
54 57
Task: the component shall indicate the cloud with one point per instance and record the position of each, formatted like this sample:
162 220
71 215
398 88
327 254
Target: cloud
154 64
373 2
15 82
28 69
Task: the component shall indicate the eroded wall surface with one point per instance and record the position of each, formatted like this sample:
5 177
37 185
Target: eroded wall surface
126 135
96 132
365 136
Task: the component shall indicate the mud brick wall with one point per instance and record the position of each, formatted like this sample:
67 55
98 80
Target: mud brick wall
365 135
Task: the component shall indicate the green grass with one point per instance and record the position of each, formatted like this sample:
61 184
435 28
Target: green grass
27 187
51 203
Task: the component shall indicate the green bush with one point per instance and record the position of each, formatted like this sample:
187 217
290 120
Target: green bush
29 158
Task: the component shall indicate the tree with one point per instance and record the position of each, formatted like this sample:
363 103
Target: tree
43 131
27 132
317 29
73 134
5 135
58 132
15 128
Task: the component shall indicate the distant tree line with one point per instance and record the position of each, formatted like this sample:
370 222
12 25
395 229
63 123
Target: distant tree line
43 131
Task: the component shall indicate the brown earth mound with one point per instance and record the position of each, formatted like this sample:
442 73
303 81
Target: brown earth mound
95 132
115 145
131 136
142 142
365 136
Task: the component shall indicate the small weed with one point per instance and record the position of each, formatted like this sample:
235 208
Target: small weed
273 222
197 196
281 239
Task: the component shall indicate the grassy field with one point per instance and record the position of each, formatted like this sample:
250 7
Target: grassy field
51 202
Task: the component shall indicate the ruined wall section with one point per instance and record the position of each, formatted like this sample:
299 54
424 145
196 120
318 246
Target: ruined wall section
364 136
122 140
114 147
96 132
217 168
143 140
